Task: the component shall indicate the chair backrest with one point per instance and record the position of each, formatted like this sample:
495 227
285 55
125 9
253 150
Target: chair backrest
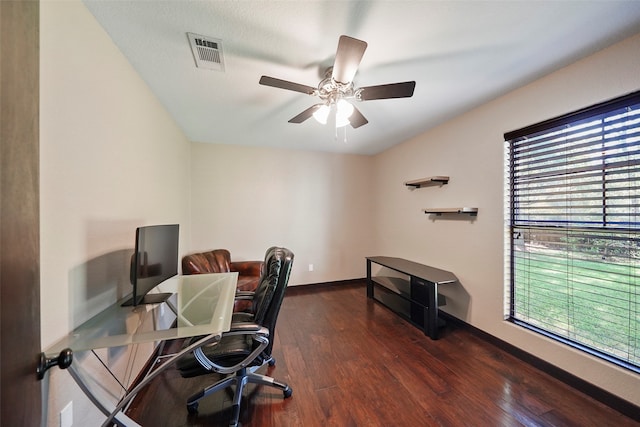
271 289
215 261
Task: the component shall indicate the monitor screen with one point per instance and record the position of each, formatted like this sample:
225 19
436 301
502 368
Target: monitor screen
154 260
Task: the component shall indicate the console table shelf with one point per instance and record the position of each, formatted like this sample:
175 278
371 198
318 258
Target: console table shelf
401 287
415 297
423 182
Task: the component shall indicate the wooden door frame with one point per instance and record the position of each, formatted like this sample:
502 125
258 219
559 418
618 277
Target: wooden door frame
20 391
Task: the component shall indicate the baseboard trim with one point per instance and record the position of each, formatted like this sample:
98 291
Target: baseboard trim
615 402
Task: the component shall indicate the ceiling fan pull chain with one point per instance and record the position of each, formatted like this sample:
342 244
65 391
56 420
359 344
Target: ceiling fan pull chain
345 133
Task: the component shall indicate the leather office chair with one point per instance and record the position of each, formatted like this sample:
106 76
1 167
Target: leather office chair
219 261
247 346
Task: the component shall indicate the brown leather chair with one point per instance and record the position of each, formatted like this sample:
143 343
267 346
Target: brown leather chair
219 261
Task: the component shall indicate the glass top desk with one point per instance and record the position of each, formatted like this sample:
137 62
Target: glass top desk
203 308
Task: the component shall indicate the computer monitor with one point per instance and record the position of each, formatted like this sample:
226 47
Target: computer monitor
155 260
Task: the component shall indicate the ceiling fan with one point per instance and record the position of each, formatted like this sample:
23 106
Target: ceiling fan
337 89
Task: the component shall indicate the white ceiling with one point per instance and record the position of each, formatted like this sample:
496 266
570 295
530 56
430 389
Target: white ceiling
460 53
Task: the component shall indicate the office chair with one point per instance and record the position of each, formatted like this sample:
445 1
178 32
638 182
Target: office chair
247 346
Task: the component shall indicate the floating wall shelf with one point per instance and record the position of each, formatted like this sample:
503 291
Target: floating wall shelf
440 211
423 182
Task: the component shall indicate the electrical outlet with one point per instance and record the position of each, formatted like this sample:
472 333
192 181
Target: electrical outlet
66 415
310 267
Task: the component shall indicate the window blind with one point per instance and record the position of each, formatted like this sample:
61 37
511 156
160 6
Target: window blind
574 229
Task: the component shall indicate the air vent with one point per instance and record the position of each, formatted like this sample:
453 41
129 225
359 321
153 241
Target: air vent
207 52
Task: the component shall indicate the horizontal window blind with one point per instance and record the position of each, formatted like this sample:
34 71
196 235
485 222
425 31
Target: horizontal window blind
574 229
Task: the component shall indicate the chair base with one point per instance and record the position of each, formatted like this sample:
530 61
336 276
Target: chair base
240 380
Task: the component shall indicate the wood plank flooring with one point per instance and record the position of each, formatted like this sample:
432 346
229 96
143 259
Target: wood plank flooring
352 362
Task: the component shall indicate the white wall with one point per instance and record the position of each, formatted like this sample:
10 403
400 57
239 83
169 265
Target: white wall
470 150
111 160
317 204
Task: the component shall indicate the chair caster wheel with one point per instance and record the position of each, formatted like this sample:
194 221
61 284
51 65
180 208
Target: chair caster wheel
272 362
192 408
287 392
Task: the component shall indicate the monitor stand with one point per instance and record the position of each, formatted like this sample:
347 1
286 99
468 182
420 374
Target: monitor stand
148 299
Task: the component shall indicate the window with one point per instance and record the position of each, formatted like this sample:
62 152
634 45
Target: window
573 229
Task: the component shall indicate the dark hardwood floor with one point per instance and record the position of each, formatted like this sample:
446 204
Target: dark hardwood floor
352 362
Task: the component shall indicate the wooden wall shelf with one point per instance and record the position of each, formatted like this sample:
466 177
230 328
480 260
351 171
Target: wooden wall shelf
440 211
424 182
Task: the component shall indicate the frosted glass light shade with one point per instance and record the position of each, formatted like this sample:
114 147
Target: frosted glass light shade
321 114
344 110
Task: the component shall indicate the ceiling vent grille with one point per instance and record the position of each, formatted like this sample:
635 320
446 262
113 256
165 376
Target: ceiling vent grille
207 52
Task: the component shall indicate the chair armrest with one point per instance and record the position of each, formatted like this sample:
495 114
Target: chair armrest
259 334
246 328
247 268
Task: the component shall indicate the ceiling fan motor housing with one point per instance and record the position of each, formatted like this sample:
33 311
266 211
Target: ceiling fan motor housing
331 91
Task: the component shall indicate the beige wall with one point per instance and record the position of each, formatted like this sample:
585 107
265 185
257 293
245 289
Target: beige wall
111 160
470 150
317 204
99 122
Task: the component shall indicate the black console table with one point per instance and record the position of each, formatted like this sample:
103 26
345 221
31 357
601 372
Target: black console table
415 299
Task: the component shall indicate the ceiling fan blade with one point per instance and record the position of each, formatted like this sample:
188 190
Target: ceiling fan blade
392 90
357 119
348 57
305 114
284 84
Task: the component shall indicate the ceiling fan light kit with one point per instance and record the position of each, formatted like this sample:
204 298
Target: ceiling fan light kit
337 89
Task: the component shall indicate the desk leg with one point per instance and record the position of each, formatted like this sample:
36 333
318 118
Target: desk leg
118 410
431 315
119 418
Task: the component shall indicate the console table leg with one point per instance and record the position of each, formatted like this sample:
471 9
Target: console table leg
431 317
369 281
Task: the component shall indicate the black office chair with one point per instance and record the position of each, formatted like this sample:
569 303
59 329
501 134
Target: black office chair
247 346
